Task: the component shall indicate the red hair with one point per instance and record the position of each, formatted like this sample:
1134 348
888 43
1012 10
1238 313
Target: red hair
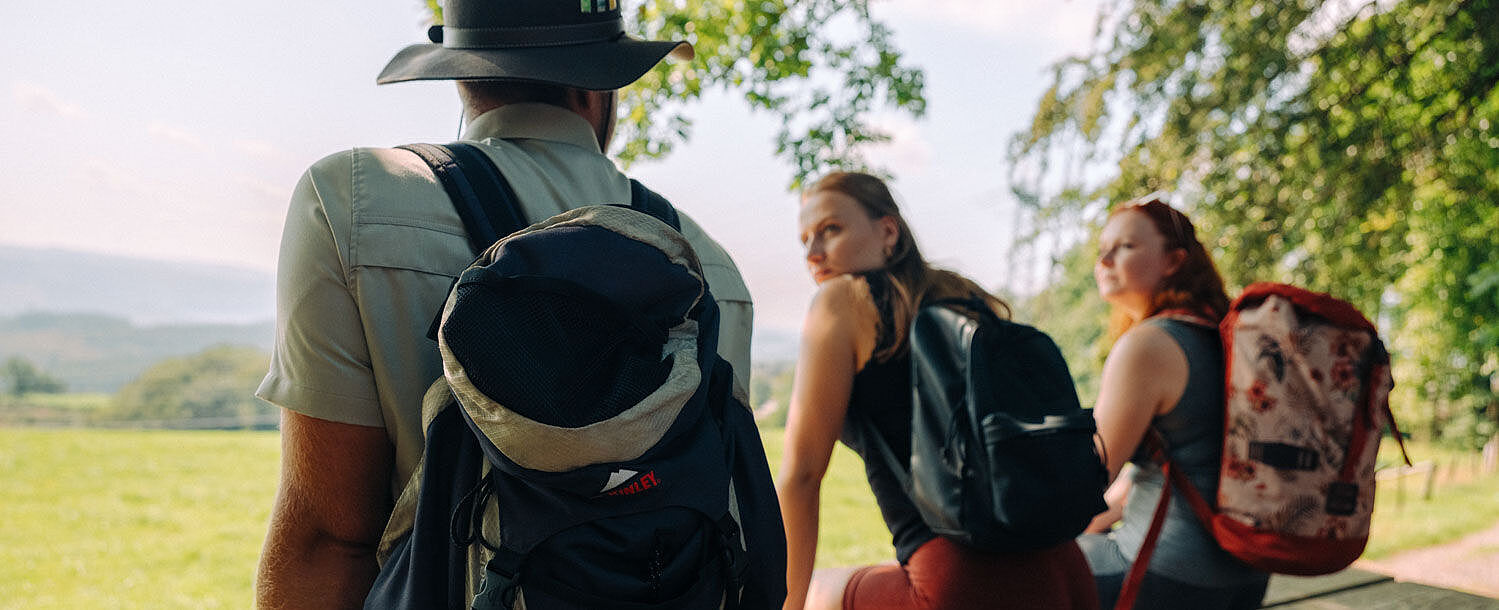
1194 286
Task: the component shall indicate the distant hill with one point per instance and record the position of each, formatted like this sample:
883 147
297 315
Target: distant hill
96 353
142 291
96 320
770 345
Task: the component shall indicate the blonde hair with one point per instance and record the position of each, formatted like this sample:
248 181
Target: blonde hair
913 279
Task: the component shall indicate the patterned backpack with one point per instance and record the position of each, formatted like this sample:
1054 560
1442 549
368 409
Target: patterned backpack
1306 398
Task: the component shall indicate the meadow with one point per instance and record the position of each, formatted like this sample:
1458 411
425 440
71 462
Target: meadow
132 519
175 519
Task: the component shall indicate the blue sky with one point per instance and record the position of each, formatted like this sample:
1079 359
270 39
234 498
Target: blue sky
177 131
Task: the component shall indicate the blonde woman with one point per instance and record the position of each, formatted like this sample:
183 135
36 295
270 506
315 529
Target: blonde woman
854 367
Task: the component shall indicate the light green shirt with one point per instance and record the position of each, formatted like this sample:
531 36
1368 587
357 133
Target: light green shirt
372 244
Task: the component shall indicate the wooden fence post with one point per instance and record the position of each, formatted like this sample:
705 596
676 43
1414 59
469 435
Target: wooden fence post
1491 455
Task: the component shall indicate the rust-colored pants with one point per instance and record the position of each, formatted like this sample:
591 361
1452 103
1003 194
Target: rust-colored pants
945 575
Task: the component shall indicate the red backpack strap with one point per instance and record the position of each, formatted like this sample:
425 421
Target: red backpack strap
1155 444
1131 588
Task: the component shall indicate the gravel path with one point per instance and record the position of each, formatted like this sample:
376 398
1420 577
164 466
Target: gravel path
1470 564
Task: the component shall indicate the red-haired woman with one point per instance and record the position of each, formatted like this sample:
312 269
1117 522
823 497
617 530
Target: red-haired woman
854 368
1163 372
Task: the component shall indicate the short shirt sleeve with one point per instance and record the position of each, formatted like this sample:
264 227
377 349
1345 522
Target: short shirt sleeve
320 363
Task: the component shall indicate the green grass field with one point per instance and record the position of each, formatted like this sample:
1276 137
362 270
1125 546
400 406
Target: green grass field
132 519
170 519
1404 520
71 401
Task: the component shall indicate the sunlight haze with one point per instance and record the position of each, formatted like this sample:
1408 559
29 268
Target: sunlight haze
176 132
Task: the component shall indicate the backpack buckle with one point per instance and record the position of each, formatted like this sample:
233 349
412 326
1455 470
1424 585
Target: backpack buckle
501 583
1342 498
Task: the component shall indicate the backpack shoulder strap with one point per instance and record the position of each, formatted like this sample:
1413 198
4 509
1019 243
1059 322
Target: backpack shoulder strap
487 203
1172 478
481 195
646 200
483 198
873 438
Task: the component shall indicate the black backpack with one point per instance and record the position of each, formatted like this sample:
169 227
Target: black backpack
1002 455
585 410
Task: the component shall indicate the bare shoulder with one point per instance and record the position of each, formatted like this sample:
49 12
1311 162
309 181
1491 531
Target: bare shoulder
1149 345
843 312
843 292
1151 364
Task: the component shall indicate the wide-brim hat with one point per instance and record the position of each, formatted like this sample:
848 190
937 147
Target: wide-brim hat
575 43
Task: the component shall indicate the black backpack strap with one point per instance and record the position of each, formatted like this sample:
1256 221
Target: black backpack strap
735 561
646 200
481 195
873 438
487 203
483 198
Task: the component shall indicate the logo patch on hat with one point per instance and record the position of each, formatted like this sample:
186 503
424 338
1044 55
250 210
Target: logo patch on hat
597 6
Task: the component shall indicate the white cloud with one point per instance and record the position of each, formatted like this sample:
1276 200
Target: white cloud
114 177
260 149
175 134
907 151
37 98
262 189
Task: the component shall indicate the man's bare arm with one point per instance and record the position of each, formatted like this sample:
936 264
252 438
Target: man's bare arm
330 510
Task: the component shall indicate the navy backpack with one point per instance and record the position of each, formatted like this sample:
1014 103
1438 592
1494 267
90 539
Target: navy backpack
586 442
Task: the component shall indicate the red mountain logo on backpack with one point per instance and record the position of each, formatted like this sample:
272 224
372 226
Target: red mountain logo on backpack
616 486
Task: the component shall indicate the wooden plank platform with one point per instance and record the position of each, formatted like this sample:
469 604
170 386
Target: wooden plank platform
1360 589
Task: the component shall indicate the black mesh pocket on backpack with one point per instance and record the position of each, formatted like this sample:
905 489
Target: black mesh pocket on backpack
666 558
554 352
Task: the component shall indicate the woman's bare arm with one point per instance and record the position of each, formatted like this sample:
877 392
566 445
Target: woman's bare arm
837 338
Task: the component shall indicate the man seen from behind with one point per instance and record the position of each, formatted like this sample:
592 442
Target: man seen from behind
371 245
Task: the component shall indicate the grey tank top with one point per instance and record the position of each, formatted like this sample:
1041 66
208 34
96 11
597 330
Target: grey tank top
1194 436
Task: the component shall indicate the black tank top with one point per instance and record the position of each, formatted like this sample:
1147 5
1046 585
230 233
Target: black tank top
882 394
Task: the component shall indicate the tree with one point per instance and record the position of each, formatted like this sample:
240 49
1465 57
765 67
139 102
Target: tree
821 65
25 378
1349 147
217 385
770 382
1071 311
